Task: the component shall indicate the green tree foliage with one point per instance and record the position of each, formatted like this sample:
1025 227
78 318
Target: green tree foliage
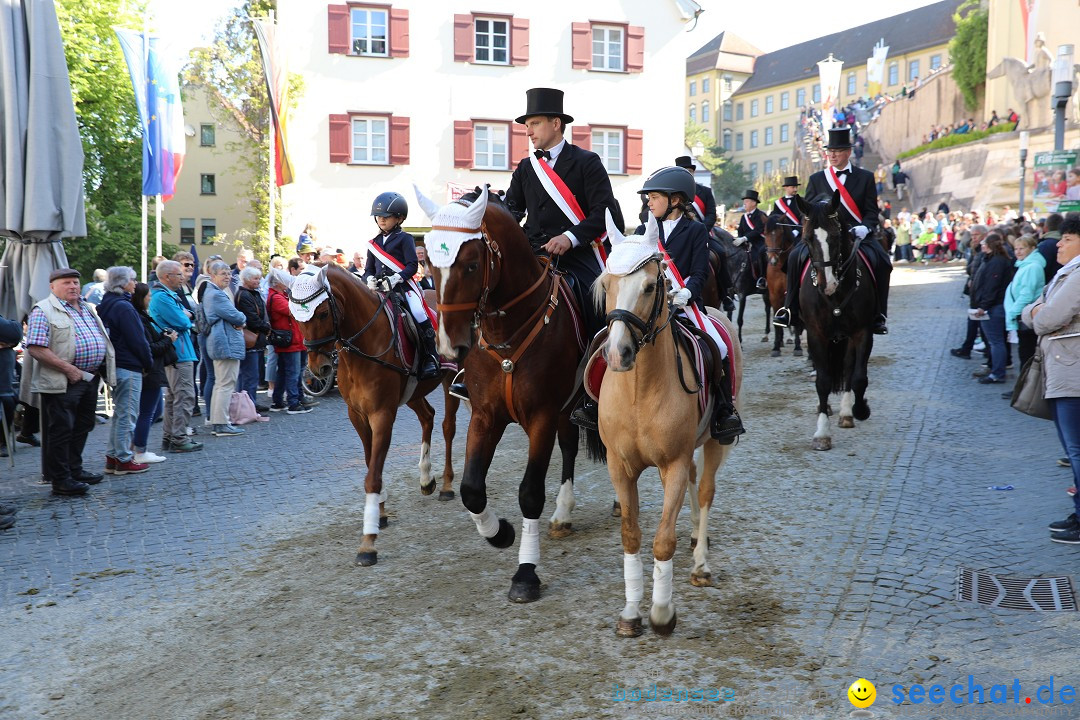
730 179
967 49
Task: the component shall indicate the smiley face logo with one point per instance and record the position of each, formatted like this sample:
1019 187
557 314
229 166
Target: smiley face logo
862 693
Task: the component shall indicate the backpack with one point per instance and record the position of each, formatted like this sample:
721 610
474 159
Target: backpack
202 325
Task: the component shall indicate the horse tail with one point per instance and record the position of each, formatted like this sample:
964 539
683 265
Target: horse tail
836 353
595 449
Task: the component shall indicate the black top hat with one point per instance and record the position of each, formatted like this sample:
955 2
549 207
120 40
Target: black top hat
791 181
685 161
839 138
544 101
751 195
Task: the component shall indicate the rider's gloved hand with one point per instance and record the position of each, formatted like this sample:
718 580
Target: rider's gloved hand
394 279
373 283
795 233
739 240
680 297
860 231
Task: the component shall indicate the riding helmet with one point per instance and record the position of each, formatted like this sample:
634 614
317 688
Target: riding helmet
671 180
390 204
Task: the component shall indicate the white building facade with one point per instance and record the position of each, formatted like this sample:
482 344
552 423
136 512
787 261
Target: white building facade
426 93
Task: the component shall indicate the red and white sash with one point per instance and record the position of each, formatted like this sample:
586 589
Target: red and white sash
391 261
783 207
678 283
845 197
700 205
749 222
556 189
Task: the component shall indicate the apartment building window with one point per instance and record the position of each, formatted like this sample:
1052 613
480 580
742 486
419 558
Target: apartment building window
738 111
727 84
369 141
800 98
207 184
207 135
492 41
209 230
704 85
851 81
785 100
727 139
704 111
768 135
693 88
372 31
607 47
727 111
187 231
753 171
369 28
894 73
693 113
377 139
753 139
738 142
912 70
768 104
753 108
783 133
766 168
815 93
608 144
783 164
935 62
491 145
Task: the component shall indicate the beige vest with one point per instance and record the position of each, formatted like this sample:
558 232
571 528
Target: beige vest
62 342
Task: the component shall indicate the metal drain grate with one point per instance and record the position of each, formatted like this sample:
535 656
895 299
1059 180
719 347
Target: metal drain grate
1042 594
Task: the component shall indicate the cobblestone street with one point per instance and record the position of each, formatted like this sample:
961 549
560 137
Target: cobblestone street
221 584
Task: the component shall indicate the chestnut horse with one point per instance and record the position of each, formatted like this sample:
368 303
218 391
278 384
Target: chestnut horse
346 318
779 240
508 314
648 419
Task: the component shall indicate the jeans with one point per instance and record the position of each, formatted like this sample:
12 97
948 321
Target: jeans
125 396
1067 420
208 384
994 327
225 372
288 372
149 399
249 374
66 419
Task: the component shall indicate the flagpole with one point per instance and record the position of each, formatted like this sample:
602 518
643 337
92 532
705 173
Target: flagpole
145 203
143 265
273 179
157 227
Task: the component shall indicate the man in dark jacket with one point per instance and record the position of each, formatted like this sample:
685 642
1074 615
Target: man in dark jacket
703 202
1048 244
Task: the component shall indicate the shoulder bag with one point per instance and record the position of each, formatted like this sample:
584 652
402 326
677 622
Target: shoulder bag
1029 395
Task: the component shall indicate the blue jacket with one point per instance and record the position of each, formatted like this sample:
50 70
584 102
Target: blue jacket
399 245
10 334
126 332
224 342
1025 288
168 312
688 247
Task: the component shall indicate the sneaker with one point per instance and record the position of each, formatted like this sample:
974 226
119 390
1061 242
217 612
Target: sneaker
110 465
149 458
1009 366
960 353
196 412
1064 462
308 402
1069 523
990 380
1069 537
297 410
979 346
260 408
277 407
227 430
130 467
184 447
981 372
28 440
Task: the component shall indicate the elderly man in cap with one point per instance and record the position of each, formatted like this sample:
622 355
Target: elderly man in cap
168 311
72 354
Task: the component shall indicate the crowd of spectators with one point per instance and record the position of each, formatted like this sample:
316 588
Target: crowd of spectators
967 126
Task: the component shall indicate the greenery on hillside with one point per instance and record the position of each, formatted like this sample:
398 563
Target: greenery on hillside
957 139
967 49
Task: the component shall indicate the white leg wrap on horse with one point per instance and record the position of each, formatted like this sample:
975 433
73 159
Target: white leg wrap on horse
634 577
529 549
486 523
661 575
371 514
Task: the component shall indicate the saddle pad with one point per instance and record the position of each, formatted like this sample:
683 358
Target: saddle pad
726 337
595 370
406 346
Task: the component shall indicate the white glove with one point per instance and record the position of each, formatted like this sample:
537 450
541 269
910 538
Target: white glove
680 297
860 231
739 241
372 283
393 280
794 233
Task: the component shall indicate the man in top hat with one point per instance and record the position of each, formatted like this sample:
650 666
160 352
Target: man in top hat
786 210
752 230
858 212
704 203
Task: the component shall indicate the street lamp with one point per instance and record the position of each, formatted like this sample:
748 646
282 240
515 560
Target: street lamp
1023 166
1062 74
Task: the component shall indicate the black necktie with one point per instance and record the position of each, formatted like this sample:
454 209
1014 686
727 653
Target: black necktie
542 155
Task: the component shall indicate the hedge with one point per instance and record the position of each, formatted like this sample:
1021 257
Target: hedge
957 139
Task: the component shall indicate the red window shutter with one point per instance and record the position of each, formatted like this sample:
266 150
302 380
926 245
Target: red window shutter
399 140
633 152
581 135
340 139
635 49
463 144
399 33
338 29
519 144
582 45
463 39
519 41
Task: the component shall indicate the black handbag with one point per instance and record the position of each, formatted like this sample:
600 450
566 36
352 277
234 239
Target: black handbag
281 338
1029 395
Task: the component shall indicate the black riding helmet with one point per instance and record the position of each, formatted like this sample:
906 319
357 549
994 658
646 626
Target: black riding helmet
671 181
390 204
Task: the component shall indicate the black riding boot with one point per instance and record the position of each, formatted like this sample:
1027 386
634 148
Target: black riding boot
786 316
726 423
880 326
429 366
587 415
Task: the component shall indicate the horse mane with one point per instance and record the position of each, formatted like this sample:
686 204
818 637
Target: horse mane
333 270
821 214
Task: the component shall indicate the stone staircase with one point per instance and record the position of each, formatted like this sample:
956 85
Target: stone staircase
870 161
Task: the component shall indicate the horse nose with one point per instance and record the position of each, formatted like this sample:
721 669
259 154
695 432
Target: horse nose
625 356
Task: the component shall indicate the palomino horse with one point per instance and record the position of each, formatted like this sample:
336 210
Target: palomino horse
779 241
509 315
648 418
344 316
838 305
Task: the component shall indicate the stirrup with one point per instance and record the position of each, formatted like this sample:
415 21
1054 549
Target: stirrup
458 388
782 318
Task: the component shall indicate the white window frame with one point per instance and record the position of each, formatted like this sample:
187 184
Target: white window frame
753 108
800 97
704 111
768 135
912 70
704 85
785 100
368 26
610 145
753 139
783 132
490 35
768 104
693 88
738 142
612 36
377 127
894 74
487 139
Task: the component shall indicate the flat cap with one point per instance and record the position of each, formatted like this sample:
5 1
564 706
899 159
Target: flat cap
59 273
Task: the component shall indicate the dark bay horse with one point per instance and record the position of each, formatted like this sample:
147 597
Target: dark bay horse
779 240
508 314
838 308
744 283
346 318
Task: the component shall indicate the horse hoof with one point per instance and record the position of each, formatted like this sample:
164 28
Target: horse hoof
445 495
861 412
774 353
629 628
823 443
846 421
616 509
797 352
427 489
505 537
703 580
367 559
560 530
765 339
384 522
664 629
524 592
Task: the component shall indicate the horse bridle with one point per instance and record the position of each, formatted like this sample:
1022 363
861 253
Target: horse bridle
841 264
643 332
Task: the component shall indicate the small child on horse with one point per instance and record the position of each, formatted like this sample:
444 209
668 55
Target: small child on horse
391 265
